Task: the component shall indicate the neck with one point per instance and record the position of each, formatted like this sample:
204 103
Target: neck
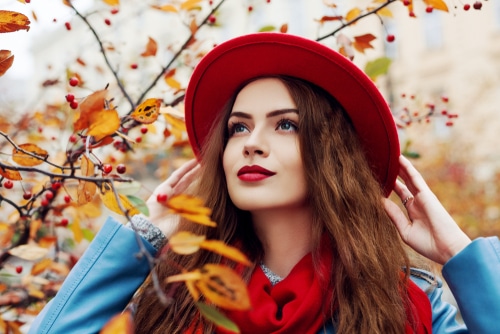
285 236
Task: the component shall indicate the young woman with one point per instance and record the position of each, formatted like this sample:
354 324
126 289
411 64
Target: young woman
298 151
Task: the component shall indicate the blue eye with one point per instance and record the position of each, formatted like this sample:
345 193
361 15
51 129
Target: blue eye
286 125
237 128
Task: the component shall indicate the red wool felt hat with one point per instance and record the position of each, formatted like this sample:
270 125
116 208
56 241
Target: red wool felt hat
229 65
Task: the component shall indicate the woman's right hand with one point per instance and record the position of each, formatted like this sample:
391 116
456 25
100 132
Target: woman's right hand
175 184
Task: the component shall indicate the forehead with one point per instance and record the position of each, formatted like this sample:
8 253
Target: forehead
264 94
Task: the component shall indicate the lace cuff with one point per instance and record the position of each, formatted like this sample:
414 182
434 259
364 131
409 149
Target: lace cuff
148 231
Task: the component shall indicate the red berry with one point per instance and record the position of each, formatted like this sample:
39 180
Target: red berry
44 202
212 19
144 130
429 9
250 8
27 195
161 198
121 168
477 5
444 112
107 21
64 222
210 2
67 198
449 123
466 7
73 105
114 11
107 168
70 97
67 25
19 269
56 186
27 1
412 14
444 98
49 195
8 184
73 81
406 2
73 139
134 66
390 38
138 139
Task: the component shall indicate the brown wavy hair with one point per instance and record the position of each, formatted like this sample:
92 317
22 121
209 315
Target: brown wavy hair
369 292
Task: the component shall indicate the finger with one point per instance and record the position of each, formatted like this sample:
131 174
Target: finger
186 180
410 175
397 217
177 175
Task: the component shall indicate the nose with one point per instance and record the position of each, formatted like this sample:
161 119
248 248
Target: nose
256 144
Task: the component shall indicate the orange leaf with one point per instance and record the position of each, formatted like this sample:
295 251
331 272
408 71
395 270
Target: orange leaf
352 14
191 208
437 4
119 324
329 18
173 83
223 287
184 277
166 8
13 21
86 190
92 103
24 159
147 112
151 48
103 124
6 61
40 267
184 242
10 174
6 234
232 253
112 2
361 43
284 28
110 201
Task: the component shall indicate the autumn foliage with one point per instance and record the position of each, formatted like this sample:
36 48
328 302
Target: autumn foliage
67 164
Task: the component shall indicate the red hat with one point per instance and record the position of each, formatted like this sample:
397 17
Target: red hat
229 65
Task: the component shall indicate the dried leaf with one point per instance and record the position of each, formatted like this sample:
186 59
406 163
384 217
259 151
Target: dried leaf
184 242
40 267
6 61
352 14
170 81
184 277
151 48
178 126
190 4
119 324
437 4
10 174
24 159
191 208
147 112
345 46
112 2
92 103
329 18
103 124
223 287
361 43
230 252
385 11
29 252
77 231
218 318
166 8
13 21
86 190
284 28
6 234
110 201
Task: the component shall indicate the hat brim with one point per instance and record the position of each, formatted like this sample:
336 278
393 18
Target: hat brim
232 63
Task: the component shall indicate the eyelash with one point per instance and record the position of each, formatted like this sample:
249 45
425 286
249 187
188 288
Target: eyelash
233 125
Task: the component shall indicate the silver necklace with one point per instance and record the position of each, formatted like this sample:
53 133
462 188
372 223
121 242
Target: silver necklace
272 277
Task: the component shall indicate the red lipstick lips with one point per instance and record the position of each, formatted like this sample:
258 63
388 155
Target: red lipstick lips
254 173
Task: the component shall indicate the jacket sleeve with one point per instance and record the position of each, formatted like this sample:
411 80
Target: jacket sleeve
473 278
99 286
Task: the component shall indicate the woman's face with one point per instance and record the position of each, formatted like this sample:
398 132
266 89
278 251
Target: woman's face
262 160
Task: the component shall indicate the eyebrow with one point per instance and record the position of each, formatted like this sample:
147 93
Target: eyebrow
268 115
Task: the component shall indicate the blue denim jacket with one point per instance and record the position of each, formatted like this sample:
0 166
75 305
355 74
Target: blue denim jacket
105 278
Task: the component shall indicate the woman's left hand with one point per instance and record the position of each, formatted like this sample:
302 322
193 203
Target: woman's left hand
430 230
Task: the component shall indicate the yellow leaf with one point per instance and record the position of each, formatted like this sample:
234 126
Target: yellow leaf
166 8
185 242
192 290
77 231
184 277
437 4
10 174
6 61
187 204
173 83
178 126
29 252
223 287
86 190
112 2
109 200
34 227
151 48
104 123
232 253
352 14
119 324
385 12
190 4
36 293
24 159
199 219
13 21
147 112
40 267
